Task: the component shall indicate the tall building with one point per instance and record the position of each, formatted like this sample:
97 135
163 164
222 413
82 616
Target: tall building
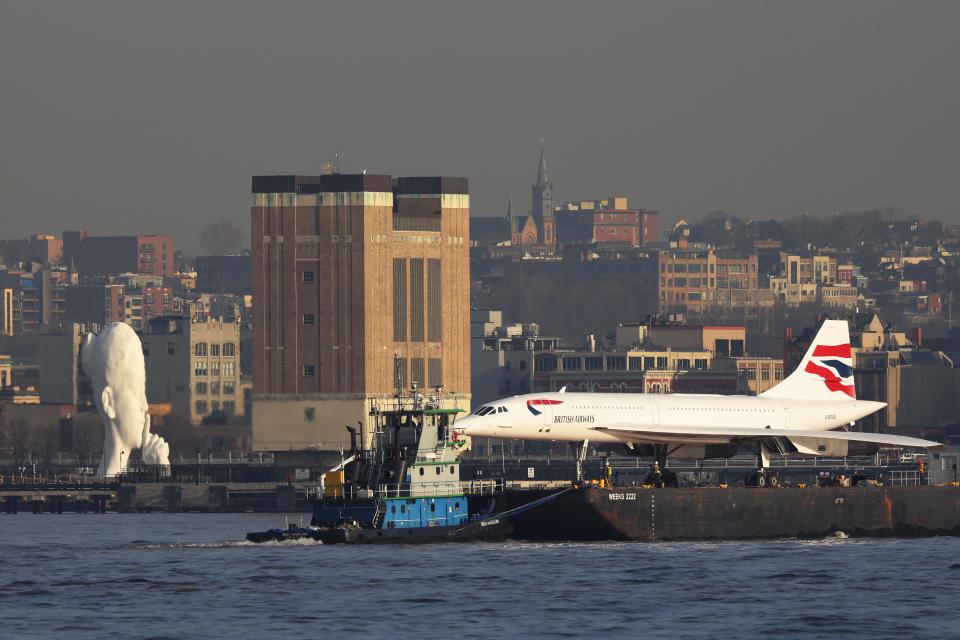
113 255
193 366
360 286
223 274
608 221
61 378
695 281
6 311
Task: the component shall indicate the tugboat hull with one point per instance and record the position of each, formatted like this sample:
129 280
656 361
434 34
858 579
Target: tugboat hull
489 530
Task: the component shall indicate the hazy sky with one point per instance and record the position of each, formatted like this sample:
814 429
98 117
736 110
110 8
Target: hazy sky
131 117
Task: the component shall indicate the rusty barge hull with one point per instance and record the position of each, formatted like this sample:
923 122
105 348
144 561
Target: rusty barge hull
594 513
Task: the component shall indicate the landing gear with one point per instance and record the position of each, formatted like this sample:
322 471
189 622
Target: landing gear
763 476
659 475
580 454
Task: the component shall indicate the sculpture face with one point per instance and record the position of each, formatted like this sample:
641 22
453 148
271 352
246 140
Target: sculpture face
114 361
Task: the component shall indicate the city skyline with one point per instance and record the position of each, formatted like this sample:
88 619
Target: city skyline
760 110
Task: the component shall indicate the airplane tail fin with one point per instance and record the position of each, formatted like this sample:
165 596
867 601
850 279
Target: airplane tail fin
826 371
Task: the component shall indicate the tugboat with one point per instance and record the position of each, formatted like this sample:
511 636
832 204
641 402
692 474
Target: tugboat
406 489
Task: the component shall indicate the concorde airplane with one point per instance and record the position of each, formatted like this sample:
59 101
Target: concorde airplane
805 414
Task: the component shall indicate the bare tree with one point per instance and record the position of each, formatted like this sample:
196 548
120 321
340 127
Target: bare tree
222 237
45 444
87 439
17 439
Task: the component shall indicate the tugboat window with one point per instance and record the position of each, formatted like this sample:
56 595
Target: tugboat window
438 470
433 507
421 470
393 508
451 470
403 508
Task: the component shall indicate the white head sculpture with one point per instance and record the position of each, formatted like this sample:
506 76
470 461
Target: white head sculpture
114 361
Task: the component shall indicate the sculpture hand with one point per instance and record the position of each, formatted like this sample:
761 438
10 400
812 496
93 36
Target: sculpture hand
155 450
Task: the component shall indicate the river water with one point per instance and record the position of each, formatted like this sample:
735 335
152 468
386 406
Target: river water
191 576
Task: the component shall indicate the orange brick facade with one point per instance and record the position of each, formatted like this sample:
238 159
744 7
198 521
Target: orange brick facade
360 283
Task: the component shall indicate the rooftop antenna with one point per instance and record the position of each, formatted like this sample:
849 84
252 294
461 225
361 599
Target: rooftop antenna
332 167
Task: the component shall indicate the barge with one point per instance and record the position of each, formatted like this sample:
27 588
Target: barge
593 512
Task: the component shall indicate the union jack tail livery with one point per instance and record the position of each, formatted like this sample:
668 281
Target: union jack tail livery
826 371
539 402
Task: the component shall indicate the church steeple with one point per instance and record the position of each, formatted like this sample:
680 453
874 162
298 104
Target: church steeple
542 202
510 217
542 178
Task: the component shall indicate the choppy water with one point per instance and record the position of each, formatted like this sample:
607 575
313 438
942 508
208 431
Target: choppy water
189 575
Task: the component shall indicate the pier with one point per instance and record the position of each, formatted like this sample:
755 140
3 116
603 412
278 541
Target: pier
58 498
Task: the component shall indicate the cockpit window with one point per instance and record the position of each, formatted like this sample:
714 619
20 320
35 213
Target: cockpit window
484 410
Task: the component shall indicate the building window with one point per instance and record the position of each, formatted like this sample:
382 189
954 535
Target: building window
308 276
228 369
228 388
400 373
200 349
416 300
435 372
661 362
229 407
215 368
594 363
523 365
200 368
215 388
572 364
229 349
399 300
201 407
215 405
700 363
308 319
635 363
417 373
545 363
201 388
309 370
215 349
616 363
434 324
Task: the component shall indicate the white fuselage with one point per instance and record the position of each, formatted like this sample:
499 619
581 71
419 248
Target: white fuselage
577 416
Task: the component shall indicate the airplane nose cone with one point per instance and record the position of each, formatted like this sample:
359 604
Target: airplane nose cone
464 425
